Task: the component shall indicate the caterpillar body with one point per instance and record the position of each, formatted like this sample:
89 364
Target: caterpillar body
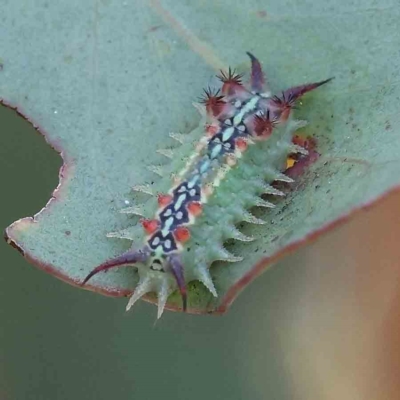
245 141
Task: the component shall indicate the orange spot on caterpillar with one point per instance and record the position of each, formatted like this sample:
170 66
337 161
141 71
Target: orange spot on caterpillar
241 144
164 199
182 234
195 208
290 162
150 225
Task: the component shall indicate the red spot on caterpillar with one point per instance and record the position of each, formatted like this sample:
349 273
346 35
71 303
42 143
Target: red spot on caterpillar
164 199
195 208
241 144
212 129
150 225
182 234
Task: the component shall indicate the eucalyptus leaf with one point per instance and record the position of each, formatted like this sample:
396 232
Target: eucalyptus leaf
106 82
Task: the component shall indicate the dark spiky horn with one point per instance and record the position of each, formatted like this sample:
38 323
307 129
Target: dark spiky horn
128 258
257 77
292 94
176 268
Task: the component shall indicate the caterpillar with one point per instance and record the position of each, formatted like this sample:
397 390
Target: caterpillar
245 141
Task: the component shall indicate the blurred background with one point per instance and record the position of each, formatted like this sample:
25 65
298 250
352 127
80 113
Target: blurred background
322 324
